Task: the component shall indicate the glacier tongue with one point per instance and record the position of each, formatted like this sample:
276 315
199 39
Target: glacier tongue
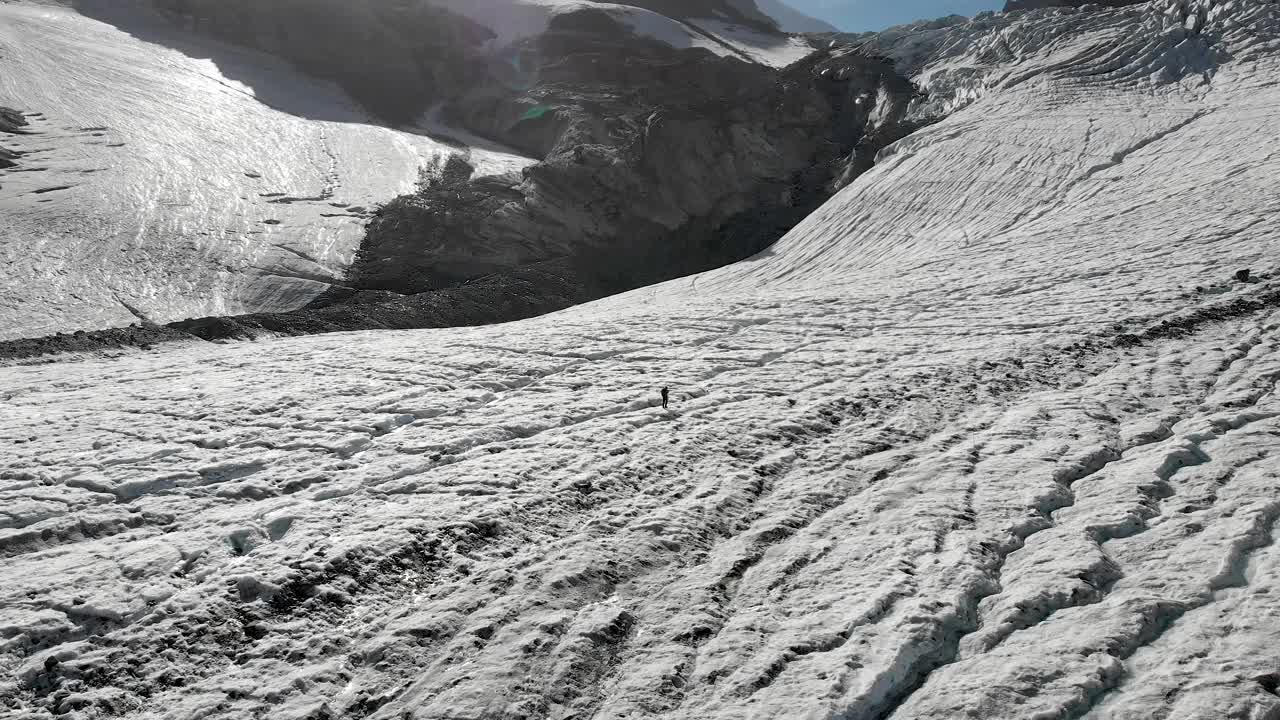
990 435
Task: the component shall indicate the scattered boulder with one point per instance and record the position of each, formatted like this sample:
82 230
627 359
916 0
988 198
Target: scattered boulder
1243 275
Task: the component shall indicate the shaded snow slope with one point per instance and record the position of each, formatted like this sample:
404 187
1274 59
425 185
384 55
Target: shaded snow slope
176 183
991 435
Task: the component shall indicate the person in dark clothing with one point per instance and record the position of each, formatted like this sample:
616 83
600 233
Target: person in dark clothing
665 394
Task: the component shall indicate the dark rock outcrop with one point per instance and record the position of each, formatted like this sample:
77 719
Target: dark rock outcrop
394 57
13 123
739 12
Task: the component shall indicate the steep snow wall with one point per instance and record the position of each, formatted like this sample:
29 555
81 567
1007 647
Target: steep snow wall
993 435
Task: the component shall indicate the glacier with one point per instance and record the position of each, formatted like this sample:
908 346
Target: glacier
989 435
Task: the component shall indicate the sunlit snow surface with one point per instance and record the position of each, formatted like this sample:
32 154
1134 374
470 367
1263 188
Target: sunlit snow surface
177 176
908 471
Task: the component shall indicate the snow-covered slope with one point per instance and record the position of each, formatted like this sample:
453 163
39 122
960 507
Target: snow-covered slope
992 435
176 178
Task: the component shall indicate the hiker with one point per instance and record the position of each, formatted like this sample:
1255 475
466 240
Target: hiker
665 394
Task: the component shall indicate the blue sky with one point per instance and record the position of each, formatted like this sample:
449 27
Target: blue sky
859 15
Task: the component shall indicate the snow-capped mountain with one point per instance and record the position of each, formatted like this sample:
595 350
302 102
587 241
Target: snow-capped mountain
177 162
991 434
